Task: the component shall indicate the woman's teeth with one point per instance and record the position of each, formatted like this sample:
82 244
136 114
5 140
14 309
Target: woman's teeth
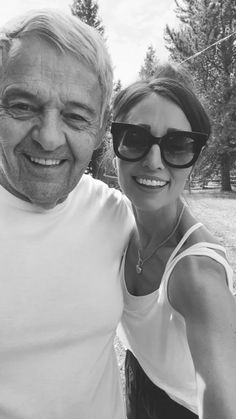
150 182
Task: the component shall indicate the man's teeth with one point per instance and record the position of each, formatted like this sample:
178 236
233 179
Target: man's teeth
151 182
45 162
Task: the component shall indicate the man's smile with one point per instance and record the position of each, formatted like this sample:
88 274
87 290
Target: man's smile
43 161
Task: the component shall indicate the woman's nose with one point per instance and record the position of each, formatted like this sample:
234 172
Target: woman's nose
48 132
153 159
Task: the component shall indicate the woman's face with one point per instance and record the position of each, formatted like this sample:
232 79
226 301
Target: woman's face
149 183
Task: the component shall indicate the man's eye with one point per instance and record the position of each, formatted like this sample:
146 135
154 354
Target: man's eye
75 117
20 110
75 120
21 106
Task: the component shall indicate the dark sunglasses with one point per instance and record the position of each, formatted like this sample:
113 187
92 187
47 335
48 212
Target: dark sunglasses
179 149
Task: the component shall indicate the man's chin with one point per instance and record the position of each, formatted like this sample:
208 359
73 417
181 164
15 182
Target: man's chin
42 194
46 203
45 199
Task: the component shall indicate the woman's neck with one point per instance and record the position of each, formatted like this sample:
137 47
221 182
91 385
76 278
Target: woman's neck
154 227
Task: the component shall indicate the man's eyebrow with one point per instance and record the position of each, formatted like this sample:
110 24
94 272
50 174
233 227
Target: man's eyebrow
16 91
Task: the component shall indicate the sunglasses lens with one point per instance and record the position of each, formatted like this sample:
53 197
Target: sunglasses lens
132 143
179 150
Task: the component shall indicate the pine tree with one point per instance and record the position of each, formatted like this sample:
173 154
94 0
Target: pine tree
87 11
203 23
150 63
117 87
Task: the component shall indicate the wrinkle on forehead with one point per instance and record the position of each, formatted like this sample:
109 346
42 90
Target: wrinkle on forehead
7 56
40 53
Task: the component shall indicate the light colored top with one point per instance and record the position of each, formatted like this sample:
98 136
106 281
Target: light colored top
156 332
60 303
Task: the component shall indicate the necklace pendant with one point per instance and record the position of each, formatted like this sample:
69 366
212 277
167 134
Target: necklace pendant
139 268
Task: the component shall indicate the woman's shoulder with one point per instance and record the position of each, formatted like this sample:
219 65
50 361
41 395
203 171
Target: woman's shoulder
199 264
195 278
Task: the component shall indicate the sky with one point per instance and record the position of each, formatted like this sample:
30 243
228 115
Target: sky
130 27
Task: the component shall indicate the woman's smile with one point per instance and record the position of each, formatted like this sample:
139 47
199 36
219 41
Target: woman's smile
150 181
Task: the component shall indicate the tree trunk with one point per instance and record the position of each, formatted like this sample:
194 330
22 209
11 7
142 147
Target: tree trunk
225 172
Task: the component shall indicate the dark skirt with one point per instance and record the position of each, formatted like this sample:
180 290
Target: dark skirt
144 400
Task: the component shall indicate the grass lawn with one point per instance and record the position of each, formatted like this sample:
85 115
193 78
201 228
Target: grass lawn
217 211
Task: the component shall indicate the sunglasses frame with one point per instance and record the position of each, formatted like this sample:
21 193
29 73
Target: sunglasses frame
199 136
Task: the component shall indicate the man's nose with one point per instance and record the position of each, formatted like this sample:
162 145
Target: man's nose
48 131
153 159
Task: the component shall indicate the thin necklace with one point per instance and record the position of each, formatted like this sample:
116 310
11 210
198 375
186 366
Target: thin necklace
140 263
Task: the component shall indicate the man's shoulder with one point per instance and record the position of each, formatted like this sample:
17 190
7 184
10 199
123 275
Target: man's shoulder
100 194
103 204
99 190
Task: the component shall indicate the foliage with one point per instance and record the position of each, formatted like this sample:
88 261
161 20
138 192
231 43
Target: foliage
202 24
150 63
104 155
106 169
117 87
87 11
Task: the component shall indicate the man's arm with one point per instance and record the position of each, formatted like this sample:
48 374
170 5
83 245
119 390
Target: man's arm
198 290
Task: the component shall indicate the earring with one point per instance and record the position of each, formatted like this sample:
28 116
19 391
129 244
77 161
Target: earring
188 182
114 164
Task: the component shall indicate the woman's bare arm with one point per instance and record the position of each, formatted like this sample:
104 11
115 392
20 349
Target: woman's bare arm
198 291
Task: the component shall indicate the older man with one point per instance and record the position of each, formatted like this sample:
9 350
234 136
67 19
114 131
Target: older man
62 233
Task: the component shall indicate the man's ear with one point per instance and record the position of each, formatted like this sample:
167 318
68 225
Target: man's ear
103 127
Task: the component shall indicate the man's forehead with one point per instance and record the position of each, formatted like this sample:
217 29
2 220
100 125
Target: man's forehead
40 64
44 56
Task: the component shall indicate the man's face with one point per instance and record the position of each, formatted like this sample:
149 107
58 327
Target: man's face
50 107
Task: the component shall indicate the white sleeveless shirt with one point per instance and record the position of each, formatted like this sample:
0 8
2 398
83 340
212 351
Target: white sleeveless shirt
156 333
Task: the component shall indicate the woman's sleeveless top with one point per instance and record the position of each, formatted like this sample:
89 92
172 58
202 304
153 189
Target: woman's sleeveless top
156 332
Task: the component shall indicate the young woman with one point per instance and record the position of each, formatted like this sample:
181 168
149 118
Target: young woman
180 315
